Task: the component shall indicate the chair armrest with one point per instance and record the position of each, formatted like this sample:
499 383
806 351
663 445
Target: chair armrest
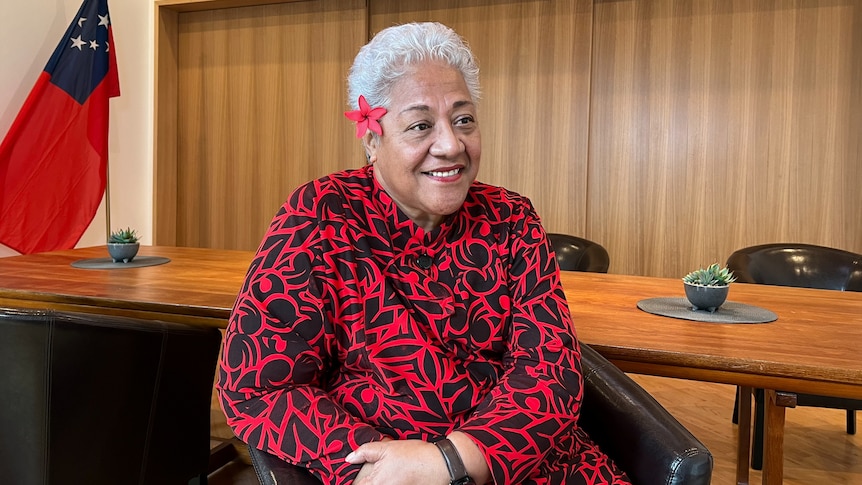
642 437
272 470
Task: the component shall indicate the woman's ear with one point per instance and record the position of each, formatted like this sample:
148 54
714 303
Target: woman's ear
370 142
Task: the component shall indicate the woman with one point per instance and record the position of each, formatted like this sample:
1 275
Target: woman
402 323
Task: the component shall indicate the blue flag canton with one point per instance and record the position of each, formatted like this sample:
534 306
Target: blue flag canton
81 60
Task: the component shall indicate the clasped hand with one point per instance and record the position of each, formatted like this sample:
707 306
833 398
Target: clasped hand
397 462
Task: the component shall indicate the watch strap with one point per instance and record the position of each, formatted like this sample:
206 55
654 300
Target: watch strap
457 472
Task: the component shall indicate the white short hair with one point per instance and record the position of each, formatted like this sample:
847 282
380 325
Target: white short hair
393 50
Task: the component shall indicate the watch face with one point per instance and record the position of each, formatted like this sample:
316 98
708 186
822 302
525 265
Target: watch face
463 481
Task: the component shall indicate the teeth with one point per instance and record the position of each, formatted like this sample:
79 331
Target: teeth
445 174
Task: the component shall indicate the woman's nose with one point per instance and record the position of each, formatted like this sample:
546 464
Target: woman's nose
446 143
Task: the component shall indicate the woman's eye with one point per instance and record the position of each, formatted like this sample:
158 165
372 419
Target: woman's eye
464 120
420 127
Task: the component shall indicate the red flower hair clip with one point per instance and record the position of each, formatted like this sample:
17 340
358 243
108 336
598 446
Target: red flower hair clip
366 118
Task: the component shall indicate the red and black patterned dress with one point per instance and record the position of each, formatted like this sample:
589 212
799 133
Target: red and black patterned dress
354 324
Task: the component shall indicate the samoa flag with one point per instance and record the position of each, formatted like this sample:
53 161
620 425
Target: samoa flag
54 159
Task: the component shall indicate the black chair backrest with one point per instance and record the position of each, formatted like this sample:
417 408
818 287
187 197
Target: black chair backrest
579 254
797 264
103 400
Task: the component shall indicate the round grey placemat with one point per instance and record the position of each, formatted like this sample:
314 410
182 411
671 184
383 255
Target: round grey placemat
729 312
108 263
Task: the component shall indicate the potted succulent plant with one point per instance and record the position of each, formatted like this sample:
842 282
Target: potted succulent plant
707 288
123 245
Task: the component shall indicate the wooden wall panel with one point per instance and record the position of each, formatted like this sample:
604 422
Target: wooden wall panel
716 125
534 69
260 112
670 131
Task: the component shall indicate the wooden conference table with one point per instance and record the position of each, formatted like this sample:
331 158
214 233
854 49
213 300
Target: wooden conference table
812 347
198 286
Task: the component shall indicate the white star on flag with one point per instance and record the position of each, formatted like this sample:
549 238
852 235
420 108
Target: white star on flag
77 42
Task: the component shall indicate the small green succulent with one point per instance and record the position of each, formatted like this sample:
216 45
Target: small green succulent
123 236
712 275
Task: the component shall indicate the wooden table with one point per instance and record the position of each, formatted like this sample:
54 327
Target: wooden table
813 346
198 286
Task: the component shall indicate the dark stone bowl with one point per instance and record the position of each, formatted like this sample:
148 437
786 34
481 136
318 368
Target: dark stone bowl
123 252
706 298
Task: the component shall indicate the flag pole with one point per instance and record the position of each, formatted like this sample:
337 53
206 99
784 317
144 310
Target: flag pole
107 201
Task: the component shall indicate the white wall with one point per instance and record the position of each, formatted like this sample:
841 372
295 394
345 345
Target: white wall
30 33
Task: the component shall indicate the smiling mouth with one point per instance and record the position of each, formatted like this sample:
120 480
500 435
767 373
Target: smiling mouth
447 173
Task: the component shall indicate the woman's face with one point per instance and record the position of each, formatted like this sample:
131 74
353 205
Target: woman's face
428 155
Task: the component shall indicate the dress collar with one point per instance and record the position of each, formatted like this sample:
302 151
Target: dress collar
404 234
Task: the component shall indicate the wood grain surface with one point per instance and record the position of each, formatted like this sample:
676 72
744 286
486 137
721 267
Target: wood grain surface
672 132
197 286
813 346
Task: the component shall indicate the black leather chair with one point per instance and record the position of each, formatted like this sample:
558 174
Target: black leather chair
579 254
91 399
632 427
800 265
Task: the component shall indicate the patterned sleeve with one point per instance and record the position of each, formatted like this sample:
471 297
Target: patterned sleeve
276 353
538 399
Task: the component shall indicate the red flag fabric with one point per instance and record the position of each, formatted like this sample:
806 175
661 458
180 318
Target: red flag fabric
53 160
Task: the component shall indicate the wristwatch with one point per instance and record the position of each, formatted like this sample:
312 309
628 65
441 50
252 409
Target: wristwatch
457 471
